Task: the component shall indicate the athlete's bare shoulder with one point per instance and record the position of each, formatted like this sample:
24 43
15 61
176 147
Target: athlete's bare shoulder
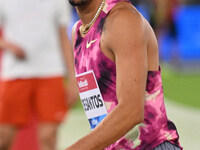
125 25
124 21
124 12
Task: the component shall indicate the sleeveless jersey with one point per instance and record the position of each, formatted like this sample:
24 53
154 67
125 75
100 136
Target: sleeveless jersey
156 128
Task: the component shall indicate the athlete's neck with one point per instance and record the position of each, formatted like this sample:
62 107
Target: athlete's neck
88 11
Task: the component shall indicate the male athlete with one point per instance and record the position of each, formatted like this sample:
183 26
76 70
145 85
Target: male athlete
35 51
117 44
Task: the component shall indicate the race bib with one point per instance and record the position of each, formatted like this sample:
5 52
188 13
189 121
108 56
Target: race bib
91 98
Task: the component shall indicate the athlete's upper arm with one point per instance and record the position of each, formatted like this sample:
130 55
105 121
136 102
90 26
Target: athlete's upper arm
126 38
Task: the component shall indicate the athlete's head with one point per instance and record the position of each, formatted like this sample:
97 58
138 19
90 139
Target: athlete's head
78 2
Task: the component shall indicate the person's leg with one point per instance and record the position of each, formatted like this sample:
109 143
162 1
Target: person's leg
50 108
7 133
167 146
47 136
14 109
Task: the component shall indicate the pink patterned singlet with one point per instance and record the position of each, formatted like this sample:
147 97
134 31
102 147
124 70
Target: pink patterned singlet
156 128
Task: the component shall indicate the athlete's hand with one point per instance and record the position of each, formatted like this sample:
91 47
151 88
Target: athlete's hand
17 51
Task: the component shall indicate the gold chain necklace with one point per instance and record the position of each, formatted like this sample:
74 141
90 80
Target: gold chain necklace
85 28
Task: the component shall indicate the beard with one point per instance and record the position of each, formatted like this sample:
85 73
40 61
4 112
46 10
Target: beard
78 2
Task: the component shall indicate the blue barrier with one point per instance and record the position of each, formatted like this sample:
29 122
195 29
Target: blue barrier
187 20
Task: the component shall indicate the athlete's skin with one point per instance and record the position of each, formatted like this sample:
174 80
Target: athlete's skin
129 41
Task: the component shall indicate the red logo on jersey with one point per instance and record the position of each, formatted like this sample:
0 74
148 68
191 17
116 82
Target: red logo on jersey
86 82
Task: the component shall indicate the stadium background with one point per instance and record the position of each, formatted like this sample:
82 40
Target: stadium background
180 61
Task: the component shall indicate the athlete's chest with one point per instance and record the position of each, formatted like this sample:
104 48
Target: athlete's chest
86 53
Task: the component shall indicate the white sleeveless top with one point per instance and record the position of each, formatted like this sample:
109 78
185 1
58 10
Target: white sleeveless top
33 25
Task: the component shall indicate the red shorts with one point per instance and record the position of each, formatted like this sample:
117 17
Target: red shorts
19 98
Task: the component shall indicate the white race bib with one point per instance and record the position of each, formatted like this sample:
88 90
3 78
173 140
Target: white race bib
91 98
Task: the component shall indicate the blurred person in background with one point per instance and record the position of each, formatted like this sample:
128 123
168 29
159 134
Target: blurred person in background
35 51
162 17
163 22
142 2
161 14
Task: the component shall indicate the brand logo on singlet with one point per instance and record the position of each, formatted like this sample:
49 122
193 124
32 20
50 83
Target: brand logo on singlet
90 43
83 83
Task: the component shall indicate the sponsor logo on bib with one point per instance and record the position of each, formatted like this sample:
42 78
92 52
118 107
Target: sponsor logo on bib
82 83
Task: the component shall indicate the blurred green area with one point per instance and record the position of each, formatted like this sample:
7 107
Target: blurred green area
181 88
78 105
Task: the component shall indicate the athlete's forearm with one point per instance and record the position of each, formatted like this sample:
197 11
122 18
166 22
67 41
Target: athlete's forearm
15 49
68 58
4 44
113 127
67 52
